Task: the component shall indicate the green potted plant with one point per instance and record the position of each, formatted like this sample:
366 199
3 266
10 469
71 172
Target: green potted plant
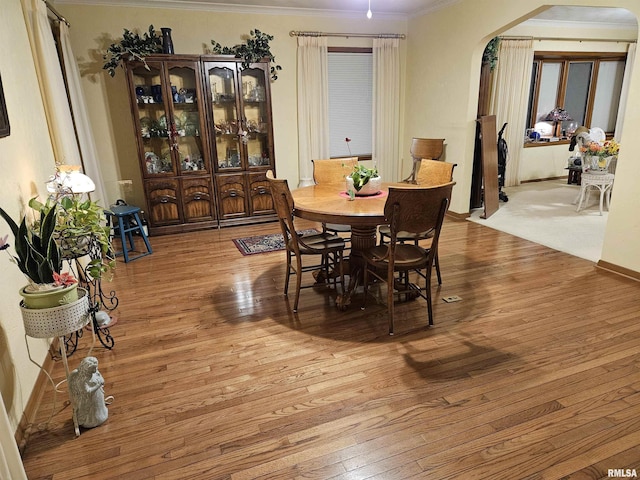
38 256
363 181
254 50
132 47
79 223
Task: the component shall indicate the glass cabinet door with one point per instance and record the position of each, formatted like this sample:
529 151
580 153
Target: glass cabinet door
152 124
185 131
255 116
222 83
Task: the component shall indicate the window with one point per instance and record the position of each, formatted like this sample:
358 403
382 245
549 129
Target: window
586 85
350 101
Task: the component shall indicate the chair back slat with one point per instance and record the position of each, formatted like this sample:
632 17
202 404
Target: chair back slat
333 170
416 210
431 148
433 172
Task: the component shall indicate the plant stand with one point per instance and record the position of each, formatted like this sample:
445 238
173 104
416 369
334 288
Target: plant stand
97 297
59 322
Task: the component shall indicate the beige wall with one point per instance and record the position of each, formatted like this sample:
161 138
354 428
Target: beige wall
27 161
443 84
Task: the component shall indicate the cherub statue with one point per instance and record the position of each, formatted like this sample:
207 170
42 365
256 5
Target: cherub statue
87 392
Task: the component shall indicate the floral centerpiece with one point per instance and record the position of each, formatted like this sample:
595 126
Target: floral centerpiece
362 180
361 176
597 156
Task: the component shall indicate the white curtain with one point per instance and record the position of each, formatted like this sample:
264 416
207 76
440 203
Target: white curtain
84 133
10 461
51 82
313 104
386 107
509 98
626 80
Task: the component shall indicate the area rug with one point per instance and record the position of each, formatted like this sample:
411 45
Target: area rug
265 243
545 213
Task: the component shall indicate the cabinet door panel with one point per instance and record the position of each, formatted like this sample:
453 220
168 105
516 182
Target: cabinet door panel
222 85
188 145
261 201
197 199
163 197
232 194
151 122
256 116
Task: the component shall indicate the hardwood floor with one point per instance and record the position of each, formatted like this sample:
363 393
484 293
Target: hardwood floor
534 374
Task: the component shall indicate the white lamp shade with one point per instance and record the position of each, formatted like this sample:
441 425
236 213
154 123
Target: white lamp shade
70 180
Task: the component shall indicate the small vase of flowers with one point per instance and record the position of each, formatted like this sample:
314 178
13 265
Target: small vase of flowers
597 156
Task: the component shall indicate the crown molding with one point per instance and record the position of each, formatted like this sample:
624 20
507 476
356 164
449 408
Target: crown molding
195 5
574 24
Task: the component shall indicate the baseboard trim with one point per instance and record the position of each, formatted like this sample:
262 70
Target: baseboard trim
619 270
542 179
458 216
25 427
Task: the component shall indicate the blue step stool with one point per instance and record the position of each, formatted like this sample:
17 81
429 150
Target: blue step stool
125 220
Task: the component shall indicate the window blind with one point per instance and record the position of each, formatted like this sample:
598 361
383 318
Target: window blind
350 103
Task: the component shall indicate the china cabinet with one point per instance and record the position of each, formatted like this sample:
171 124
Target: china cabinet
239 110
205 140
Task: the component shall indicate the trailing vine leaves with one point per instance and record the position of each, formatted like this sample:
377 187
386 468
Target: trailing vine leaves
132 47
254 50
490 54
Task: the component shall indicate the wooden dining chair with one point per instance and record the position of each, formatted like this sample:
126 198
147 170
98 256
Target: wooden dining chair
430 173
329 247
333 170
428 148
413 210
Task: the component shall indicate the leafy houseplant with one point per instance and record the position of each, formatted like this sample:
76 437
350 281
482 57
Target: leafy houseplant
77 223
132 47
361 176
38 256
490 54
254 50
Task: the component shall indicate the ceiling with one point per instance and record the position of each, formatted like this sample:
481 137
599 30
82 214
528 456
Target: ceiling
398 8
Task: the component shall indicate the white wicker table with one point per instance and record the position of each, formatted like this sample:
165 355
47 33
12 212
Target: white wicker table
601 181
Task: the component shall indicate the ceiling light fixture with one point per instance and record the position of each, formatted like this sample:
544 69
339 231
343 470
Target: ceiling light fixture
369 14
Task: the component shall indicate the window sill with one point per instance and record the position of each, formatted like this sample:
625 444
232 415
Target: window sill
547 142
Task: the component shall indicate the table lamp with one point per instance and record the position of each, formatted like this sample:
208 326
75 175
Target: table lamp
69 179
557 116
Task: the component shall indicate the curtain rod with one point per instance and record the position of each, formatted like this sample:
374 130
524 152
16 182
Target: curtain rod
294 33
616 40
55 13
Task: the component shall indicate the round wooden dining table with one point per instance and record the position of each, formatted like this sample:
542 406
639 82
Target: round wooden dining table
329 203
